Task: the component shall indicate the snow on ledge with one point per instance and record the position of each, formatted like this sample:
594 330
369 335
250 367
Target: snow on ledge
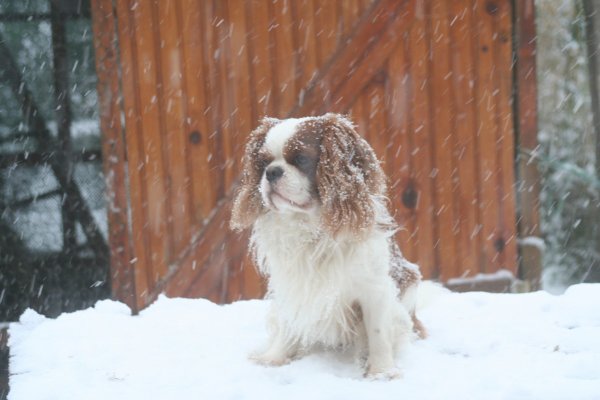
481 346
494 276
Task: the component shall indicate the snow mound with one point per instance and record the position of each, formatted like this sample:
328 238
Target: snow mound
481 346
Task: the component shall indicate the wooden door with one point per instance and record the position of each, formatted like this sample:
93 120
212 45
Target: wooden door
428 83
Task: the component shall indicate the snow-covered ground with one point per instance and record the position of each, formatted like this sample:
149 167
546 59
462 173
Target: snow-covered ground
481 346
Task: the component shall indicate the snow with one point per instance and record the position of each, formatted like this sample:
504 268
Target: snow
481 346
500 274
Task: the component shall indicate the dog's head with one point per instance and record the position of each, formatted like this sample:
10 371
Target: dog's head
309 165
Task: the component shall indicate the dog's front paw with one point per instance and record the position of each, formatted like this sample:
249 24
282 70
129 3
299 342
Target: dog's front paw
268 359
383 374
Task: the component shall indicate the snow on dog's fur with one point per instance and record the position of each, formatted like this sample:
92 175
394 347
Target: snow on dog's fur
313 193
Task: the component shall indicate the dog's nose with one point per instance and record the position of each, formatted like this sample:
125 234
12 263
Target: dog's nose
274 173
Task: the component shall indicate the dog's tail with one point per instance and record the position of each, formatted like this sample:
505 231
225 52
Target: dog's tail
428 293
419 296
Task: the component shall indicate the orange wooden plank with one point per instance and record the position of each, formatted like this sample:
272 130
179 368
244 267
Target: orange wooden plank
401 185
197 110
214 95
486 91
358 116
261 57
239 76
285 66
354 66
174 129
254 285
235 280
146 36
502 47
463 76
326 29
350 15
186 270
306 45
367 35
443 141
228 121
421 134
378 135
113 151
141 260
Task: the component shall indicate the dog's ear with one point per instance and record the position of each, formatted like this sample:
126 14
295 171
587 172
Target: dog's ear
349 176
247 204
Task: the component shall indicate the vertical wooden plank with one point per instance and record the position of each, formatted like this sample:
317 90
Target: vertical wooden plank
141 261
113 151
235 282
350 15
228 122
506 244
149 81
463 80
254 285
171 105
376 115
261 56
402 190
306 46
238 75
214 96
525 109
486 137
284 49
197 110
358 116
421 133
443 141
326 29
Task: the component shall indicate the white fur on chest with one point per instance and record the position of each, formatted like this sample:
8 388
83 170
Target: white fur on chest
314 280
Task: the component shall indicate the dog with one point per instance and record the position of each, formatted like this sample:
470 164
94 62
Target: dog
314 194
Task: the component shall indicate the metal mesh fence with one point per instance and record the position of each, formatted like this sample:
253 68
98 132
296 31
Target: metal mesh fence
53 228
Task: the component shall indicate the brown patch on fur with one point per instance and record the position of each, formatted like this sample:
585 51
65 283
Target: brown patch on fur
343 168
406 275
418 326
248 205
405 278
348 174
303 151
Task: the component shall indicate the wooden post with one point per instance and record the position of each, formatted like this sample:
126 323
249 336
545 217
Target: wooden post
122 262
528 180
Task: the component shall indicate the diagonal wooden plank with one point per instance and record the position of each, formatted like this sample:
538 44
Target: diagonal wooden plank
375 36
355 63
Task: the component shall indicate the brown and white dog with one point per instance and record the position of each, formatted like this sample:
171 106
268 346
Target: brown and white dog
314 194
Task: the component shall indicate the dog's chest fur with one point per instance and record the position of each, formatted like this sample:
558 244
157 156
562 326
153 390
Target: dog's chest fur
313 279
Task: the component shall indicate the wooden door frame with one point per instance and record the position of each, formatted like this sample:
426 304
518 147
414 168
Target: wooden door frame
325 92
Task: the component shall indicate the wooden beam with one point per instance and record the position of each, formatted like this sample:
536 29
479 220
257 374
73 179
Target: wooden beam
352 67
113 148
525 120
384 21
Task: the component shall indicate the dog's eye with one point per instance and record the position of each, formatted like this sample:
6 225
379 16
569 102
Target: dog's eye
301 160
262 163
